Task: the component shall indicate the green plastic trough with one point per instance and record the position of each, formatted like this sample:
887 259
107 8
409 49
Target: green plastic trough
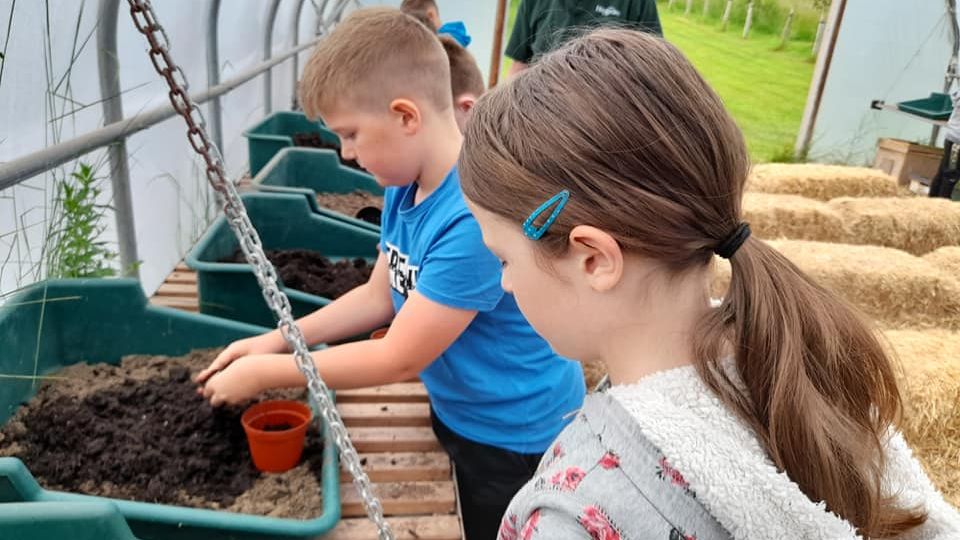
283 221
309 171
57 323
275 132
76 521
935 107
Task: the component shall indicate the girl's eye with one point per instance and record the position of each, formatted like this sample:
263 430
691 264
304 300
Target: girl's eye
503 263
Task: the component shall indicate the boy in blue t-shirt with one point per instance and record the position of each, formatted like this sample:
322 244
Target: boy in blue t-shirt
427 12
499 395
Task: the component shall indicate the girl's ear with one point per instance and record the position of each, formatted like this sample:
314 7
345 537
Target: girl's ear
598 256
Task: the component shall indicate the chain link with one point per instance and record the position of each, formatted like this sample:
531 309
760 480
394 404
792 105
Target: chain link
146 22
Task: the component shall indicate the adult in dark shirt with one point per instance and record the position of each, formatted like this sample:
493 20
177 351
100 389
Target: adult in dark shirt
542 25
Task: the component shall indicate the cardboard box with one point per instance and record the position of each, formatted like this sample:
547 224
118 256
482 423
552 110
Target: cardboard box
907 161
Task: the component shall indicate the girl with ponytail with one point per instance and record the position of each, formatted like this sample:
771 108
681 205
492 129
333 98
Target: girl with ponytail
607 178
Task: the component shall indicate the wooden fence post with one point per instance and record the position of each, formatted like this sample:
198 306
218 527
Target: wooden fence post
820 27
726 15
749 22
785 35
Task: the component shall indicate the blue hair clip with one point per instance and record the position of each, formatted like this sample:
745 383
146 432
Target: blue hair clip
534 233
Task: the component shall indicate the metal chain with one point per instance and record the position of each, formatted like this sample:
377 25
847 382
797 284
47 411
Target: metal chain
146 22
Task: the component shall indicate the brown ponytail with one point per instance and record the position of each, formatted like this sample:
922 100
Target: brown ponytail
625 123
818 388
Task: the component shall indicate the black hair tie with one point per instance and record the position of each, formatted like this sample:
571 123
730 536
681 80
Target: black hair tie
728 247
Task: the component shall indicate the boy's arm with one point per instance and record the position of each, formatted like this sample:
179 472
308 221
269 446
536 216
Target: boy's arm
362 309
420 332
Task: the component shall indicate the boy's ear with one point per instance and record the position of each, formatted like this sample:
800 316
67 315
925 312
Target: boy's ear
434 17
465 102
407 114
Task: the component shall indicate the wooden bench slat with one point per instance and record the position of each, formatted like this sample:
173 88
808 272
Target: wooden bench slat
403 467
402 498
385 414
390 393
404 528
394 439
177 289
182 278
187 304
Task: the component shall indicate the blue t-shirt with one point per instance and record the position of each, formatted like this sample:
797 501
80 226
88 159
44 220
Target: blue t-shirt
499 383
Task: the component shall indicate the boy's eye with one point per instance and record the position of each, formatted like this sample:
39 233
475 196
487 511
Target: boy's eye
503 263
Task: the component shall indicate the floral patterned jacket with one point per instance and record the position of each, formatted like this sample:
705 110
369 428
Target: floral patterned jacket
663 459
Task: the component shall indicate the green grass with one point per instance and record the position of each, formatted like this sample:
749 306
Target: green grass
763 88
768 15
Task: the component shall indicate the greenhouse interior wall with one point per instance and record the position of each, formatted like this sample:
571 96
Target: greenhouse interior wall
890 50
49 93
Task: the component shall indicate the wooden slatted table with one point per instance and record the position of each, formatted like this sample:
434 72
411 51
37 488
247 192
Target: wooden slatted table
390 427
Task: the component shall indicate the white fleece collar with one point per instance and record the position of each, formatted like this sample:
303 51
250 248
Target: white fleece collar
735 480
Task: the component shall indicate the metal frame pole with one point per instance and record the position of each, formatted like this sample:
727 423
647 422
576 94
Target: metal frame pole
109 71
337 14
296 59
17 170
213 71
267 46
321 9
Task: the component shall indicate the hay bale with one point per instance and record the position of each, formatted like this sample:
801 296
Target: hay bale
930 385
946 259
895 288
918 225
821 182
773 216
593 372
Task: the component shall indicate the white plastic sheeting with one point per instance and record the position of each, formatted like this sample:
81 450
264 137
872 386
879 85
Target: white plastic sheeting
49 92
894 50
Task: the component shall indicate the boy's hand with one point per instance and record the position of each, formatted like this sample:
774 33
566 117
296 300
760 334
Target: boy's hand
238 349
239 382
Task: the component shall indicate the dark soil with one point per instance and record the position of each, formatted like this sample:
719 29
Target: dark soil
313 140
349 203
370 214
312 273
277 427
153 440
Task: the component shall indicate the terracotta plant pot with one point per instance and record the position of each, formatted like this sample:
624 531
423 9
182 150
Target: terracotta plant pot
276 431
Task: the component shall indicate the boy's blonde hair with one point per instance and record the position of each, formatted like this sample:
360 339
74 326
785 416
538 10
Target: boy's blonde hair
465 76
421 6
374 56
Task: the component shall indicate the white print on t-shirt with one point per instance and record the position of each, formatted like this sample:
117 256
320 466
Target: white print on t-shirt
403 275
608 11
